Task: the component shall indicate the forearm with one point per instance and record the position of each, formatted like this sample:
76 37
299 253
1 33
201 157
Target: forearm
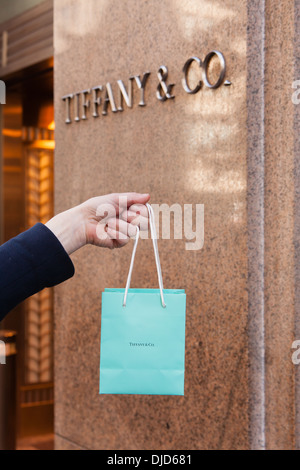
29 262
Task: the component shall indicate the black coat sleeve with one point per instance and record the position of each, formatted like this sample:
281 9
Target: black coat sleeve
29 262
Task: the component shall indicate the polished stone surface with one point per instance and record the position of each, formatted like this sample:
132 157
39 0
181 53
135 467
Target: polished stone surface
280 232
297 218
272 225
65 444
214 148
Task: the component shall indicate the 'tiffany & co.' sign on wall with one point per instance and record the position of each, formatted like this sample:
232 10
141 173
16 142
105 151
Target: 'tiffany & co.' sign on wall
97 100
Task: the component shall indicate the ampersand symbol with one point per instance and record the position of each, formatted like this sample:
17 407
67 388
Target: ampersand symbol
163 90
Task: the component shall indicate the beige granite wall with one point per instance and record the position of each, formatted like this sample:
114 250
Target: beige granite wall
231 149
273 227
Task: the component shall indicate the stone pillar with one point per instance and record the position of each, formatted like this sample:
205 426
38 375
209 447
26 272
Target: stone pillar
233 149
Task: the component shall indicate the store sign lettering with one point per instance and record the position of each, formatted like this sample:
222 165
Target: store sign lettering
97 100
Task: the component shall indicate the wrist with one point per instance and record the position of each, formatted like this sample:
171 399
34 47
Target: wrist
69 228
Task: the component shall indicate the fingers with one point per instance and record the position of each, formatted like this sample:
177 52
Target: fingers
137 214
139 209
115 217
117 237
125 200
113 204
122 228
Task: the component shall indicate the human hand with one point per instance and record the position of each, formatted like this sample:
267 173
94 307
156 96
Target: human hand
107 221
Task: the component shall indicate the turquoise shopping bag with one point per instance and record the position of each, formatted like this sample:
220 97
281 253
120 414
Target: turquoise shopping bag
143 336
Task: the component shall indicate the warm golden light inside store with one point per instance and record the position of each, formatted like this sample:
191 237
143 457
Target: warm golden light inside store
28 146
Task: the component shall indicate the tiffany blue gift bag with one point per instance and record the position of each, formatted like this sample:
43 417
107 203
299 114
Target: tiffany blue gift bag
143 336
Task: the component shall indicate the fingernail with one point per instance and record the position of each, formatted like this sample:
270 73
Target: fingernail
131 213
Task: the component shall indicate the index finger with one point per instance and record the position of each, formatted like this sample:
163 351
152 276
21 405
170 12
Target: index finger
125 200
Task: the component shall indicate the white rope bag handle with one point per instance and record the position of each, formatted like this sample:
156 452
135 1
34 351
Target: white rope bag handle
157 260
